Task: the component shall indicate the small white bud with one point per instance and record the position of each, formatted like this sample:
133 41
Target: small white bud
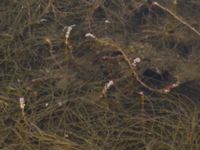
109 84
90 35
22 103
66 135
155 3
59 103
175 85
43 20
107 21
69 29
141 93
166 91
136 61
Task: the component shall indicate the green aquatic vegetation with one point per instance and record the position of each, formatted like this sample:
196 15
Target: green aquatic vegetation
99 75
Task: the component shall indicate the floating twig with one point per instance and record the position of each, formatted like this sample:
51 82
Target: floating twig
176 17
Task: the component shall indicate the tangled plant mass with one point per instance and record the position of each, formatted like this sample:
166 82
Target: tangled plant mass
99 75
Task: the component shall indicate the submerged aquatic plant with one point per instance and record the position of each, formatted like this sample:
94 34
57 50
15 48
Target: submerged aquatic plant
125 77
